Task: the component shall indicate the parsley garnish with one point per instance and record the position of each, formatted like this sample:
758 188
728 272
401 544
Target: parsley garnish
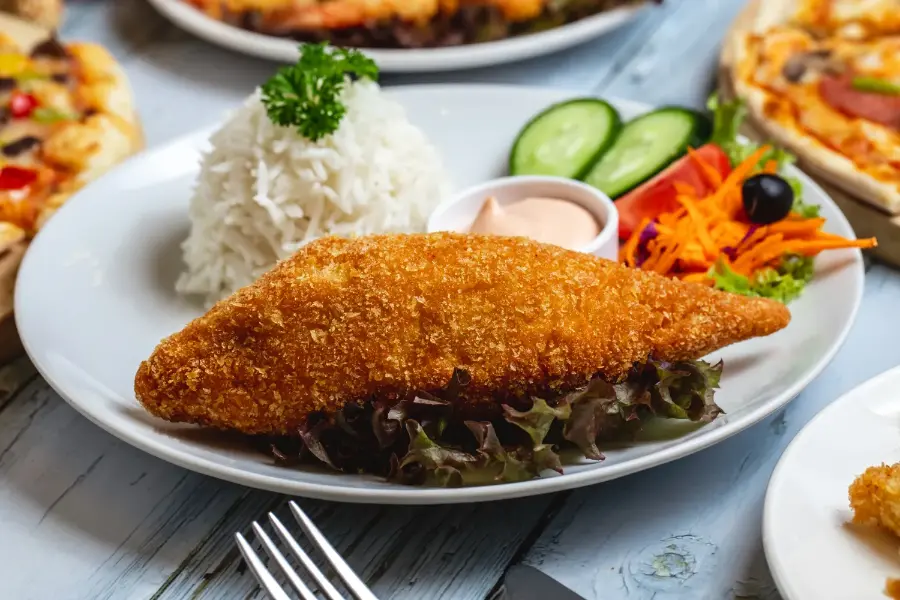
307 94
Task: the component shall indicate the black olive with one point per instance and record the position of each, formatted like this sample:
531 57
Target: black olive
23 144
767 198
7 84
50 48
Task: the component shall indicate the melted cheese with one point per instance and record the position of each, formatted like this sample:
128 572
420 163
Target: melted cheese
851 19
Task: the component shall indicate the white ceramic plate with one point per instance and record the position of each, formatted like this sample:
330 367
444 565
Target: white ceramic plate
403 60
812 548
95 295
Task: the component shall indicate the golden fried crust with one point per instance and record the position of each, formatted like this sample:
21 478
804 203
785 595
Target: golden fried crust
875 497
345 320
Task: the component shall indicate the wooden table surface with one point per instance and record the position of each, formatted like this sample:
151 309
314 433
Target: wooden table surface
85 516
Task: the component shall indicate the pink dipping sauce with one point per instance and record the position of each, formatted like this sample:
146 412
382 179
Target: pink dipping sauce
548 220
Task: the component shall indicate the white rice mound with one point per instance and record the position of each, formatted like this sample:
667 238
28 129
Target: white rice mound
264 190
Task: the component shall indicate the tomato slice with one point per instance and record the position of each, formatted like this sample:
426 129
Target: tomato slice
21 105
658 195
15 178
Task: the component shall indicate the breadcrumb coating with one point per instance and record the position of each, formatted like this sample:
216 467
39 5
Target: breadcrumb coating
875 497
385 316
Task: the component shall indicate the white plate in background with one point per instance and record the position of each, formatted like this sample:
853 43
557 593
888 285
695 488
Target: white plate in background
403 60
813 549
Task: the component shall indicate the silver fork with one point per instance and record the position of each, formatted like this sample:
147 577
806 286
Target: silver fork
353 583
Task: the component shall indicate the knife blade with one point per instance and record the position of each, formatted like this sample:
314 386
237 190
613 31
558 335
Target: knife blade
527 583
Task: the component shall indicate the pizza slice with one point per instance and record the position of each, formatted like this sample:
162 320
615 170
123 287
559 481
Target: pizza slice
67 115
834 102
849 19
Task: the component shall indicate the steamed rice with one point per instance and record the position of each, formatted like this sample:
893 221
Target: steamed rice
264 190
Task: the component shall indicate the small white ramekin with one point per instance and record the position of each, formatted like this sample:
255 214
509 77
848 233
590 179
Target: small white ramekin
458 213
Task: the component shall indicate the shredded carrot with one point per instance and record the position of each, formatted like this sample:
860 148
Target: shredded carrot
797 227
685 189
706 242
667 260
655 251
691 239
697 278
752 239
629 250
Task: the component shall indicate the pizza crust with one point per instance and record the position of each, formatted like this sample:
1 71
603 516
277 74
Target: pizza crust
46 13
815 158
770 14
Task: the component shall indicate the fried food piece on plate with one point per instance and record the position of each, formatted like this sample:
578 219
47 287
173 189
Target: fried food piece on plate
875 497
382 316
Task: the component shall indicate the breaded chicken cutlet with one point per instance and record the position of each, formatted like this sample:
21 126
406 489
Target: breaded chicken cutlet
402 23
378 328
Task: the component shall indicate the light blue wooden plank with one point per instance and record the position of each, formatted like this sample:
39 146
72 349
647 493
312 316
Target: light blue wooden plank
678 64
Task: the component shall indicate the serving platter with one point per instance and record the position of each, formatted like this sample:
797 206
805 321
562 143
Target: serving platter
90 308
403 60
813 549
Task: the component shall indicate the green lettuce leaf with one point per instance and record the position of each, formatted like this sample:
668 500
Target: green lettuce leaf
428 458
728 118
420 439
682 390
520 464
536 422
784 284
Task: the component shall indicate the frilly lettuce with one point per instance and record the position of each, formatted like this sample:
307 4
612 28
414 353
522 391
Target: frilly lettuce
422 441
783 284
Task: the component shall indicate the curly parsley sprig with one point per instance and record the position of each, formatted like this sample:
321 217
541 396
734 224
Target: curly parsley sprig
307 94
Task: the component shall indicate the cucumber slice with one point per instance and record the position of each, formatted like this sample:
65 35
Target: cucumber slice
566 139
646 146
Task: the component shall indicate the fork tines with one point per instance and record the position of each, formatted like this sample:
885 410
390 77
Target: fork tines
268 581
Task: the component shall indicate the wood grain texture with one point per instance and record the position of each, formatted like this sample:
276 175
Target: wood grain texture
87 517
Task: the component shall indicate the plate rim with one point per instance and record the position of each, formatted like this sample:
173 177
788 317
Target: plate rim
777 572
432 496
401 60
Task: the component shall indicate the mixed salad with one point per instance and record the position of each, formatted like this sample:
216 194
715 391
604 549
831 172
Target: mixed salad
696 200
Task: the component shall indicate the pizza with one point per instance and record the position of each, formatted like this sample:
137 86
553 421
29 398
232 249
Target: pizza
850 19
831 97
46 13
67 115
401 23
